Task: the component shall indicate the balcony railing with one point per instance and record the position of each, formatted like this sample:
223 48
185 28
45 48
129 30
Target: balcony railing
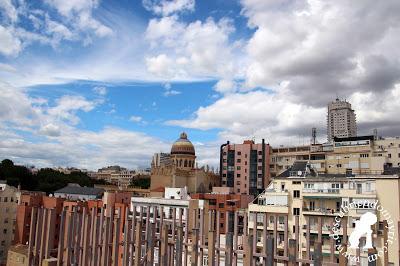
320 210
321 190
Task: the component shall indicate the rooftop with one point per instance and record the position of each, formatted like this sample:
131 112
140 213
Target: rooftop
78 190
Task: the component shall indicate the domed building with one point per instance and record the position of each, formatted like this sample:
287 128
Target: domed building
182 154
180 169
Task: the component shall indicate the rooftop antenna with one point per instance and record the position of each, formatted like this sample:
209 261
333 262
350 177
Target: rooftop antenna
375 132
313 135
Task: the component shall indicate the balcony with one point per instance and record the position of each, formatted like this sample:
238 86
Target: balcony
317 190
320 211
321 193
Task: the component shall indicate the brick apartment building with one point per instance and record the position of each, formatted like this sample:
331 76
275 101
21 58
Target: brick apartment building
245 167
111 201
225 202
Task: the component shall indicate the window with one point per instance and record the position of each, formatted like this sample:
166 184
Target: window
238 175
238 160
296 194
309 185
259 152
238 168
296 211
221 205
389 155
239 153
296 182
364 155
338 205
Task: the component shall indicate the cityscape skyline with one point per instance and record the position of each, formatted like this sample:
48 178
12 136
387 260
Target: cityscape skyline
149 83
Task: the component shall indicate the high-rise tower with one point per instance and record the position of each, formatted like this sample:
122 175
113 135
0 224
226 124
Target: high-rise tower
341 120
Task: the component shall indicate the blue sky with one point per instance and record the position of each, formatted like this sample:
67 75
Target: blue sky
93 83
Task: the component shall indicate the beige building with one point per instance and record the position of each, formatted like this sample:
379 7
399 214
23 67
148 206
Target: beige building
245 166
353 155
18 256
341 120
318 200
9 197
182 172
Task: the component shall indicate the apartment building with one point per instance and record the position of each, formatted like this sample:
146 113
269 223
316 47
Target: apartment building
245 167
352 155
9 197
341 120
316 200
225 203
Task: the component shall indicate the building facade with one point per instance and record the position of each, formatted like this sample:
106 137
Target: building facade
245 167
316 201
225 203
352 155
9 197
182 171
341 120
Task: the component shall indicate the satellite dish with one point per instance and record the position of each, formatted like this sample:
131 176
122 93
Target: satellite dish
299 173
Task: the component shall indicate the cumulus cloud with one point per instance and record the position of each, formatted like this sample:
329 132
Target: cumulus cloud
10 45
80 12
23 25
323 47
197 49
273 116
57 141
168 7
7 8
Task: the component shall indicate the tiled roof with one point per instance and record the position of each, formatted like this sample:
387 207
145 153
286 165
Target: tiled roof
78 190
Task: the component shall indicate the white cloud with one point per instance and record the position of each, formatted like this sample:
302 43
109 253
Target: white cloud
58 31
323 47
100 90
169 91
226 86
168 7
50 130
9 44
67 107
136 119
160 65
198 49
57 142
80 11
7 68
8 8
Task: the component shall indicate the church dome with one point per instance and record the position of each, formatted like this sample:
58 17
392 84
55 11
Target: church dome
182 146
